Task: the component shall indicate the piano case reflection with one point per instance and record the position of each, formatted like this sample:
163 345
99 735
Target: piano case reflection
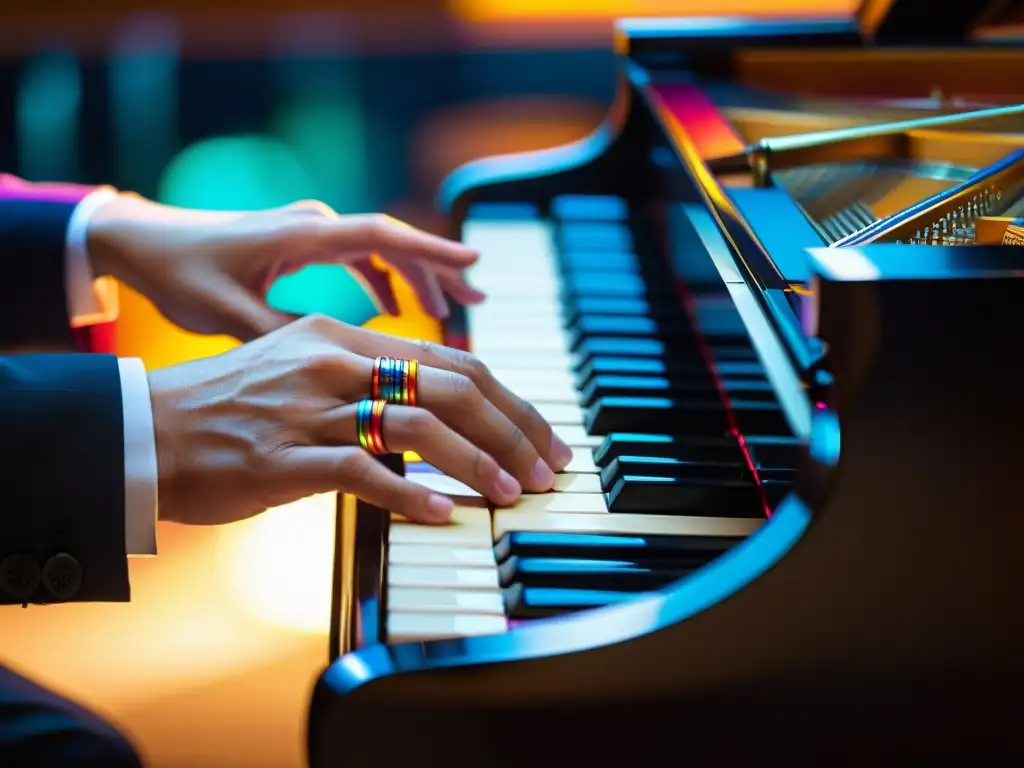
766 302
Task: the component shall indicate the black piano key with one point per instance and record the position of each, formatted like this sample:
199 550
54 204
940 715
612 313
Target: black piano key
738 368
678 366
594 236
577 262
642 494
679 361
619 575
664 415
524 603
773 450
718 320
602 305
591 282
689 551
685 448
775 491
589 208
503 211
623 325
662 386
678 469
627 386
777 474
759 417
602 286
611 346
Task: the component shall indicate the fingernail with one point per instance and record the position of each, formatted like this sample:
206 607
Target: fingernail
508 486
542 475
561 453
440 507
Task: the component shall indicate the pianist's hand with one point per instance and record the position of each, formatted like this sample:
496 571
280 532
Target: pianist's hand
275 420
208 271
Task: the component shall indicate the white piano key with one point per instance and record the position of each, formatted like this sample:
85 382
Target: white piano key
525 281
560 413
577 437
490 341
435 576
549 503
541 361
571 483
498 309
439 483
420 627
519 306
511 520
418 554
508 239
469 527
497 324
471 601
531 377
539 392
582 462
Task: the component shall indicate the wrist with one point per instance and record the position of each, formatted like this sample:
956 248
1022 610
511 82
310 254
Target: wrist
113 238
165 399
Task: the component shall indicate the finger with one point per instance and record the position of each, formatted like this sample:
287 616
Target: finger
319 469
459 404
425 284
415 429
455 285
387 235
523 415
378 283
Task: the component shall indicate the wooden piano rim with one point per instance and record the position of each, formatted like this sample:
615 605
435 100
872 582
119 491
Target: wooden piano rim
907 72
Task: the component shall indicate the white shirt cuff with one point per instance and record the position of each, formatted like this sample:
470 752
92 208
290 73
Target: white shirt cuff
91 301
140 467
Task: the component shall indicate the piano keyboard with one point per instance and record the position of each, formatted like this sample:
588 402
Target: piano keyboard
594 336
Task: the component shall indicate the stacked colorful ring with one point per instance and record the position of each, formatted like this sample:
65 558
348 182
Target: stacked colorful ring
370 425
395 381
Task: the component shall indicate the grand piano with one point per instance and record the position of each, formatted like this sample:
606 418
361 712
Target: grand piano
769 303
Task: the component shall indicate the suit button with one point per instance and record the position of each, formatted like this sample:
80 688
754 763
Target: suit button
62 576
19 577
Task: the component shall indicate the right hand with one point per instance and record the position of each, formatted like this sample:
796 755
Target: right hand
273 421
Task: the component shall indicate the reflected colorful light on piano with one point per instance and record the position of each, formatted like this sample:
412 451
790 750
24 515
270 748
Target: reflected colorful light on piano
707 129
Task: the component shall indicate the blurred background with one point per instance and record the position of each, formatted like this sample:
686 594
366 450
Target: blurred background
254 103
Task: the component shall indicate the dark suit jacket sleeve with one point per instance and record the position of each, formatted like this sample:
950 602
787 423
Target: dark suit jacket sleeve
33 230
62 520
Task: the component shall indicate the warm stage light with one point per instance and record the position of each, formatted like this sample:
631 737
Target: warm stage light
278 566
491 11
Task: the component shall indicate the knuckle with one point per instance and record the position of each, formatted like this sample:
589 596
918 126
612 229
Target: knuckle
517 439
380 225
421 422
528 414
317 323
470 366
312 206
461 386
355 466
428 350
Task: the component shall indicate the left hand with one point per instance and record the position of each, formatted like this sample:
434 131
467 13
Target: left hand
209 271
